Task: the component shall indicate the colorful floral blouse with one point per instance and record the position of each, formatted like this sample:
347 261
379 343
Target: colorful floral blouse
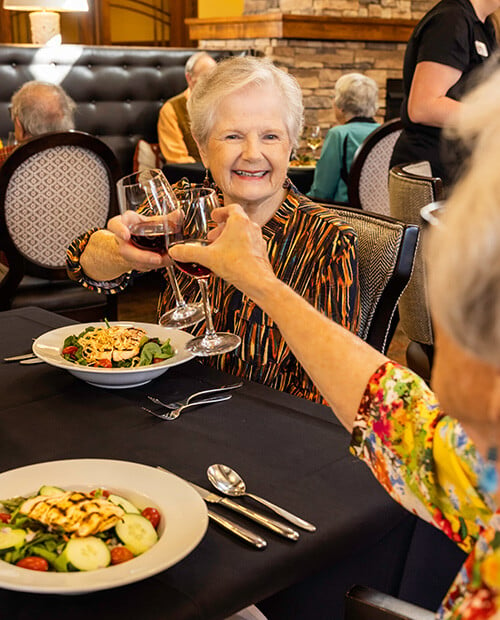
312 250
426 462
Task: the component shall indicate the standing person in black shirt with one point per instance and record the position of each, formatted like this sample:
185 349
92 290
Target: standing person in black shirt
449 43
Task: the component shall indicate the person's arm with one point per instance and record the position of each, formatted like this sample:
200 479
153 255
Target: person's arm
338 362
327 171
170 137
428 103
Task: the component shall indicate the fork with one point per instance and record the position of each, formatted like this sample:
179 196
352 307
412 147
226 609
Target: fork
175 413
189 399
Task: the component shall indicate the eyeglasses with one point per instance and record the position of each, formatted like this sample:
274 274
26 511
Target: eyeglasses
431 213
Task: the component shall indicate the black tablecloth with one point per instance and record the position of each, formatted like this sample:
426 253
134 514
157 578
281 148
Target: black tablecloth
301 177
289 450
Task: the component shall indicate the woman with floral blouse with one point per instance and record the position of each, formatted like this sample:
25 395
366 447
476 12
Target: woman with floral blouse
434 452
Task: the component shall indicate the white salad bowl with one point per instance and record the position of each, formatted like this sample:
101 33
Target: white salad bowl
48 347
182 525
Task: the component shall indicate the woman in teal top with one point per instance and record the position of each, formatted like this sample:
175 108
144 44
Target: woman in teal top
355 103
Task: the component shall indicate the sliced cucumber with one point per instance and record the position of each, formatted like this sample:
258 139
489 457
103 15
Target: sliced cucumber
127 506
48 490
88 553
136 533
11 538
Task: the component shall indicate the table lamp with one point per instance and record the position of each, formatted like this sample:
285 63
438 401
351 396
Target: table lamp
44 20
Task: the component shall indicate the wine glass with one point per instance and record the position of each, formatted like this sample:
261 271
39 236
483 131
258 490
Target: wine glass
149 195
197 204
313 137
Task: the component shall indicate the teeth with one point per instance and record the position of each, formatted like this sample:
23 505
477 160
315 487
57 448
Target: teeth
243 173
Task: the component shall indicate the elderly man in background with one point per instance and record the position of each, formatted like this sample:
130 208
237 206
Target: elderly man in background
38 108
174 133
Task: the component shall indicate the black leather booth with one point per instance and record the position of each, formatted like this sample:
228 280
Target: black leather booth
118 90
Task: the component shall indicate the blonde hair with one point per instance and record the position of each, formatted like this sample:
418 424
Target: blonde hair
464 250
356 95
233 74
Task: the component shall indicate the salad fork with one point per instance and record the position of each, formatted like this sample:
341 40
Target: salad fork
189 399
175 413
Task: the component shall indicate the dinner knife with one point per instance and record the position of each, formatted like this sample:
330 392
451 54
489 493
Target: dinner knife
272 524
236 529
18 358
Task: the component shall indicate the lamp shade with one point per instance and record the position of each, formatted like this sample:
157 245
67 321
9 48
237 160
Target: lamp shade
46 5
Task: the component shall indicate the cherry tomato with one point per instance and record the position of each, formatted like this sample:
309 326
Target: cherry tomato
157 360
104 363
34 563
102 492
69 350
152 515
4 517
120 554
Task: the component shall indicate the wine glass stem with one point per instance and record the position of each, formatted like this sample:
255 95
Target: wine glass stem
209 328
179 299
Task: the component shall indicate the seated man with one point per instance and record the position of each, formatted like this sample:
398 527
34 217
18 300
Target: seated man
355 103
38 108
174 133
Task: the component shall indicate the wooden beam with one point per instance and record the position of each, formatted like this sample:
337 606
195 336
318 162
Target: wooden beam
311 27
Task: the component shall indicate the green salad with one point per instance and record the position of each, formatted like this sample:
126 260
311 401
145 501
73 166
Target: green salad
64 531
115 346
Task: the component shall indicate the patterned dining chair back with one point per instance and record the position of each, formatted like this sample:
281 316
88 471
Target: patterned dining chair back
411 187
386 249
52 189
368 176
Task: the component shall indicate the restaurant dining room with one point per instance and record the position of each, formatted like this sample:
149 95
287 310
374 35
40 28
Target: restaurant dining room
207 263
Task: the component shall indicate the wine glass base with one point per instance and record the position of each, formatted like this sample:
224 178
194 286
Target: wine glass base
184 316
215 344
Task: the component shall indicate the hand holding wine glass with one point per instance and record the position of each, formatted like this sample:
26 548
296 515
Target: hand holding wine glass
197 204
147 202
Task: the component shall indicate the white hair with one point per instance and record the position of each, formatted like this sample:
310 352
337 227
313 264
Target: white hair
233 74
356 95
42 107
192 60
464 250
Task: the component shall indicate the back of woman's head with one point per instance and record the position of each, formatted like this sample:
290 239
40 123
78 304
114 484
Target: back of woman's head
234 74
464 250
356 95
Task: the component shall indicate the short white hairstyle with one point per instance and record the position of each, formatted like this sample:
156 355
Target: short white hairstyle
231 75
192 60
42 107
464 249
356 95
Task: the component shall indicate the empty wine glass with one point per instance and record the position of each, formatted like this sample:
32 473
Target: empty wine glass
150 197
197 204
313 137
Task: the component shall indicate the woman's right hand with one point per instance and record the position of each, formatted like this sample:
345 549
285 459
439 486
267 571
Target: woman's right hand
136 258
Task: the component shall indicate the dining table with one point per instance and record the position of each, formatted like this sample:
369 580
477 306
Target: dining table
289 450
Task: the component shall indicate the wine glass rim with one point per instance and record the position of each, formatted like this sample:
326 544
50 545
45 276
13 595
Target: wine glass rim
134 177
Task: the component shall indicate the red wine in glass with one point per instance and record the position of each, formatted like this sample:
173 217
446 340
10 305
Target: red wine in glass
150 235
193 269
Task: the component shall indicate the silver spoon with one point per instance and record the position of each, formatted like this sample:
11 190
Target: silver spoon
229 482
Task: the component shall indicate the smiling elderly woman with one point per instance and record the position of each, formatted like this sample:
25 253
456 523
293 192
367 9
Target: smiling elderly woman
445 469
246 118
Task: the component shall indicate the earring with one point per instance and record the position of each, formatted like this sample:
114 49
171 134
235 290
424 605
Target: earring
488 479
206 180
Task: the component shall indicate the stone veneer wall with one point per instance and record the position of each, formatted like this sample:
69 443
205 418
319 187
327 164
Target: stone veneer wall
317 64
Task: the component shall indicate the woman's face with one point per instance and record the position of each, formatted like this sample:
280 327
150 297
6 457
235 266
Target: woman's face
248 149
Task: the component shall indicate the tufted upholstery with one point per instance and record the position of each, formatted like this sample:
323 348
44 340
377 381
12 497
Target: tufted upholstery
118 90
368 175
386 249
